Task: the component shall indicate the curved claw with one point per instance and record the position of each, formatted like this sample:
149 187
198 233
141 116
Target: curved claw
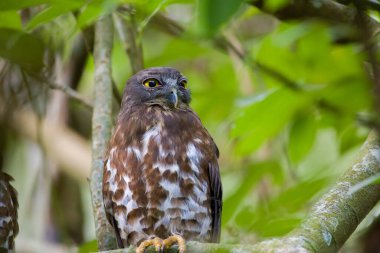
175 239
156 242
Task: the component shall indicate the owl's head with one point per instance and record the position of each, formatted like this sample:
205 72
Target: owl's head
162 86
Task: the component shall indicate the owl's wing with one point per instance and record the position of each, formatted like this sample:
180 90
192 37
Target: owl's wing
108 206
8 213
216 193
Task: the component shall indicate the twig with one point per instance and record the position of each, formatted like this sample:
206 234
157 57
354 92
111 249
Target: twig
130 36
88 36
224 44
101 127
145 22
71 93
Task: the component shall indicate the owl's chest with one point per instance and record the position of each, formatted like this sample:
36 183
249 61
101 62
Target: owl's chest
166 187
172 173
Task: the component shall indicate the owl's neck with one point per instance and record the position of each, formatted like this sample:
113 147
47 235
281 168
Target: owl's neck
134 121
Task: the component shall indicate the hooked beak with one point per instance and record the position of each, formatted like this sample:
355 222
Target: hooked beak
172 98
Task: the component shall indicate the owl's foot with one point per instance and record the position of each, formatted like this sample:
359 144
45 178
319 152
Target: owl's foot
175 239
156 242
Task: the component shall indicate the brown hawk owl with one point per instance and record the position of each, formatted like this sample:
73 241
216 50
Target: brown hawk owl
161 175
8 214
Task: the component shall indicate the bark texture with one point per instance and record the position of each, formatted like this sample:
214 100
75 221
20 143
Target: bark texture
101 127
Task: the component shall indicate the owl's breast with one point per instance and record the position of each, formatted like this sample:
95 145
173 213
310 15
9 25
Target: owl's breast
162 188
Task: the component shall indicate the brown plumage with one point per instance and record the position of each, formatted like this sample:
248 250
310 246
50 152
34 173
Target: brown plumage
161 175
8 214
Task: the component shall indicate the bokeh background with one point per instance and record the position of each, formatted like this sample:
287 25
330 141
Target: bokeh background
288 102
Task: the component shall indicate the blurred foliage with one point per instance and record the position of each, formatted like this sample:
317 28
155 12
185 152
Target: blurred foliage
281 146
91 246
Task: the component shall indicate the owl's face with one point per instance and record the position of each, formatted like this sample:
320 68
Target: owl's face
162 86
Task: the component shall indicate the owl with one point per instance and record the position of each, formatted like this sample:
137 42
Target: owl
161 180
8 214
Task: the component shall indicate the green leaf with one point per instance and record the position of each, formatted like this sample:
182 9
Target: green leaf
20 4
302 136
10 19
52 12
294 198
214 13
277 226
94 10
354 88
21 48
273 5
350 137
90 246
265 116
244 217
252 175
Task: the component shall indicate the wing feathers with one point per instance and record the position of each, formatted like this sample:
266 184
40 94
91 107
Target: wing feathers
216 194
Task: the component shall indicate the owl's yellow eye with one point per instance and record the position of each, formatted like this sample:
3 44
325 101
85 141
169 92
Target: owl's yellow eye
151 83
183 84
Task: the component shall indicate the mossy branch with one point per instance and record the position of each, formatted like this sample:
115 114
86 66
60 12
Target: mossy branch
101 126
332 219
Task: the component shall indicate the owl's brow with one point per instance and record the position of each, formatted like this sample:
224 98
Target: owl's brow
170 80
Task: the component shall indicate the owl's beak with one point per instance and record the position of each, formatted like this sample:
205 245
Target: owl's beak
172 98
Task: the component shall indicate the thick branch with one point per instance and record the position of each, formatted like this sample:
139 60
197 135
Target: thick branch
101 126
324 9
332 219
337 214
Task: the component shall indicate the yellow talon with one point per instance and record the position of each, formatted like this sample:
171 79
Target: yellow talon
175 239
156 242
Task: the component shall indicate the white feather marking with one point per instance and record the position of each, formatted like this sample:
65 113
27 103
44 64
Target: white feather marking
193 207
188 215
200 190
135 151
206 225
165 167
111 179
172 188
194 156
5 220
197 140
164 221
125 226
163 153
153 133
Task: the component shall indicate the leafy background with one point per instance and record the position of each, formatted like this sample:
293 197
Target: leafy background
285 135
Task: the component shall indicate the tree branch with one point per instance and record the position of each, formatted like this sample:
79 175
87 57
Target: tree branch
101 127
69 150
71 93
324 9
129 35
224 44
332 219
